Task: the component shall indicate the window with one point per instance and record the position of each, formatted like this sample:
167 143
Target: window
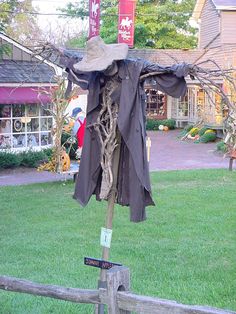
156 104
25 126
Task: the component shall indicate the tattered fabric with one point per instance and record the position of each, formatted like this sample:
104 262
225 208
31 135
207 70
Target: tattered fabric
133 188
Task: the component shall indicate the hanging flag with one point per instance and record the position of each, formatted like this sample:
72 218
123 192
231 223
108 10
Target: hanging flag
126 22
94 18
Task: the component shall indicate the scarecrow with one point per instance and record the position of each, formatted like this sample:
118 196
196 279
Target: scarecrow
114 158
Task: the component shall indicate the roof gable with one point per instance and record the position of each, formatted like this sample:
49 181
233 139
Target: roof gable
227 5
28 51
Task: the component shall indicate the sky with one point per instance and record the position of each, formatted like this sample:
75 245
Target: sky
52 23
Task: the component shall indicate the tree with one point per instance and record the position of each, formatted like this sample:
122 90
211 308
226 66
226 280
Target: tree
7 6
158 23
17 23
165 25
5 18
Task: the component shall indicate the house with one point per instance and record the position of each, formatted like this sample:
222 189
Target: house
25 117
217 42
217 27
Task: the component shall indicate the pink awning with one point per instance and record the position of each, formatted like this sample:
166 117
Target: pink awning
23 95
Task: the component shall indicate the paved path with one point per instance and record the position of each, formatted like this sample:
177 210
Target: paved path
167 153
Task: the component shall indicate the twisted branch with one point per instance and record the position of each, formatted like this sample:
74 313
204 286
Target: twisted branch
105 127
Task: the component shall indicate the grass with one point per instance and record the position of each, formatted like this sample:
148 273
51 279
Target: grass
184 251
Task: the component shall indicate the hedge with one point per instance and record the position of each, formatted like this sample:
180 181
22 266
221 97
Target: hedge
153 125
29 158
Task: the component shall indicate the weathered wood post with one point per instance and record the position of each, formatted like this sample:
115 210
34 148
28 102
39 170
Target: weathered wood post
231 163
118 279
109 218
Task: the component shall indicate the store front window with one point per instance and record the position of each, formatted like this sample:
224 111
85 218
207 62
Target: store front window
156 104
25 126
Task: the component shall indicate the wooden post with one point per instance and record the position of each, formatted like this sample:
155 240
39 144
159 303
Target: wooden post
118 279
109 217
231 159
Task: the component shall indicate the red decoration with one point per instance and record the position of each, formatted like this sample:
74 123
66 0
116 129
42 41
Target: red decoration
94 18
126 22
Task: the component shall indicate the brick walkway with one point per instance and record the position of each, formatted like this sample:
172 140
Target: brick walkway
167 153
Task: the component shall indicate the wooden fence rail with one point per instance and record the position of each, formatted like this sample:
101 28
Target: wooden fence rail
117 297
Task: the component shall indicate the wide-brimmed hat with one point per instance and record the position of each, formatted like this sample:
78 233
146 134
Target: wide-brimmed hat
99 55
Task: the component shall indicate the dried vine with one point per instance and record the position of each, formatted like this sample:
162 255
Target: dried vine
58 111
106 127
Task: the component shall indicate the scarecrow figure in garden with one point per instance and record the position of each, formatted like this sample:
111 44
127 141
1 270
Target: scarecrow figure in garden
115 123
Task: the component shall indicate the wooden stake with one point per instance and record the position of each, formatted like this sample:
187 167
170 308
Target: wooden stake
148 145
110 212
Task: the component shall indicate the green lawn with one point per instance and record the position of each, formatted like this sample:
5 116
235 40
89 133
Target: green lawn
185 250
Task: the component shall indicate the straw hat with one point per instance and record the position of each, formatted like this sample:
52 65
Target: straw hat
99 56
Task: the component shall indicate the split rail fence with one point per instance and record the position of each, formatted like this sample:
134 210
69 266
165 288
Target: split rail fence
116 296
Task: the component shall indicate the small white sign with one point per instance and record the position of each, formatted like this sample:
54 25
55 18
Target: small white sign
106 237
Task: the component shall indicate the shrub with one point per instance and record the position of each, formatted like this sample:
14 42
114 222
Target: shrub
185 130
29 158
194 131
169 122
66 139
221 147
202 131
9 160
33 159
48 152
209 137
188 127
153 124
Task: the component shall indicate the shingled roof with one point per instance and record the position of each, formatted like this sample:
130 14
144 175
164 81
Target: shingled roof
164 57
224 56
25 72
224 5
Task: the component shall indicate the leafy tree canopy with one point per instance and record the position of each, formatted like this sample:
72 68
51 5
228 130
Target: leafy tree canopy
158 23
16 23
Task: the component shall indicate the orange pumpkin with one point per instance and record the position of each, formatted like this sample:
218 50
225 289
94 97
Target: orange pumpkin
65 161
165 128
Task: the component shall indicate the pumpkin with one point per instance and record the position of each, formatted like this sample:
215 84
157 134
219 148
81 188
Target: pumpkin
65 161
165 128
161 127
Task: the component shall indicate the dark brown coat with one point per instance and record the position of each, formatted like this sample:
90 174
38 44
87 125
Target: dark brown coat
134 188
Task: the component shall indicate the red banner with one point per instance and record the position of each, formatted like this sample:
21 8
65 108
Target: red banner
94 18
126 22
